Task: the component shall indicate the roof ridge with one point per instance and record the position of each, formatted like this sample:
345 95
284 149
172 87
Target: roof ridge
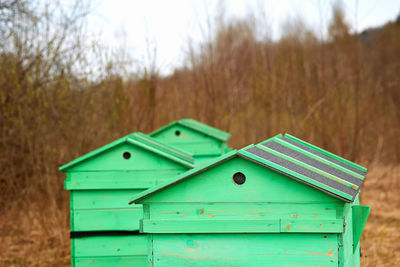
139 139
303 167
185 155
182 176
197 126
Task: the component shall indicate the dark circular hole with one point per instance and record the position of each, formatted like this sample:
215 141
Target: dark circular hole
239 178
177 133
126 155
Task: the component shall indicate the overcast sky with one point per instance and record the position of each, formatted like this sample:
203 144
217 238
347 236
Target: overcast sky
168 25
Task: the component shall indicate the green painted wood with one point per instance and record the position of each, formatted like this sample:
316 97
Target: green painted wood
101 199
242 226
312 226
210 226
360 215
112 159
243 211
216 185
194 137
136 179
116 261
198 127
106 219
104 246
129 143
245 250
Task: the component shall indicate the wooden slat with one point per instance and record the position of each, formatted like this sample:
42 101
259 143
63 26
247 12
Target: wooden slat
100 246
312 226
106 219
242 226
102 199
250 250
114 261
211 226
139 179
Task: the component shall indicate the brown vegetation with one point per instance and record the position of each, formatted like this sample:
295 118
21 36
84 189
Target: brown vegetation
342 94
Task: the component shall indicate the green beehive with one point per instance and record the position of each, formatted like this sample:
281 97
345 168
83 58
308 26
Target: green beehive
104 228
204 141
282 202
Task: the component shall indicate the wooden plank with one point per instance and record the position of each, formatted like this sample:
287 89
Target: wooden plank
242 226
284 249
106 219
210 226
245 211
116 261
115 245
138 179
102 199
312 226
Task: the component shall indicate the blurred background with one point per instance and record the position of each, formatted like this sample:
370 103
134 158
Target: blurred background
76 75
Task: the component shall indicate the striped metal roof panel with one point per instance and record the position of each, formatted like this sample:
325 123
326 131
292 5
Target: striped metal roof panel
309 164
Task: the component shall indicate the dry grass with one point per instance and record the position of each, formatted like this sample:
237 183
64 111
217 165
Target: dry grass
35 236
381 237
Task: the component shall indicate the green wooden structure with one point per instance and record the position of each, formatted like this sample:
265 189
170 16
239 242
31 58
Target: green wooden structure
104 228
204 141
283 202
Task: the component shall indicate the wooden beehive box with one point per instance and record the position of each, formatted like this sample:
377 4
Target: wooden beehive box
104 228
203 141
282 202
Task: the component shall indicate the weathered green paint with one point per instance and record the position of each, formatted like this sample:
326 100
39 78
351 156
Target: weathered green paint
203 218
245 250
203 141
114 261
360 215
101 184
107 251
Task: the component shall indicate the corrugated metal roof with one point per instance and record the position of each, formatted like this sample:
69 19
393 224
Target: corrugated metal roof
143 141
296 159
197 126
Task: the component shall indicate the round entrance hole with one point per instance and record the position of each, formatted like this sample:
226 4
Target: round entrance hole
126 155
177 133
239 178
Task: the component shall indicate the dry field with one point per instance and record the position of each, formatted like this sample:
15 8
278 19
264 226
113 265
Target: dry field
32 235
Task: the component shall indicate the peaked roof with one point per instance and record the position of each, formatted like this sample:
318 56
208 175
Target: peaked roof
197 126
296 159
143 141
